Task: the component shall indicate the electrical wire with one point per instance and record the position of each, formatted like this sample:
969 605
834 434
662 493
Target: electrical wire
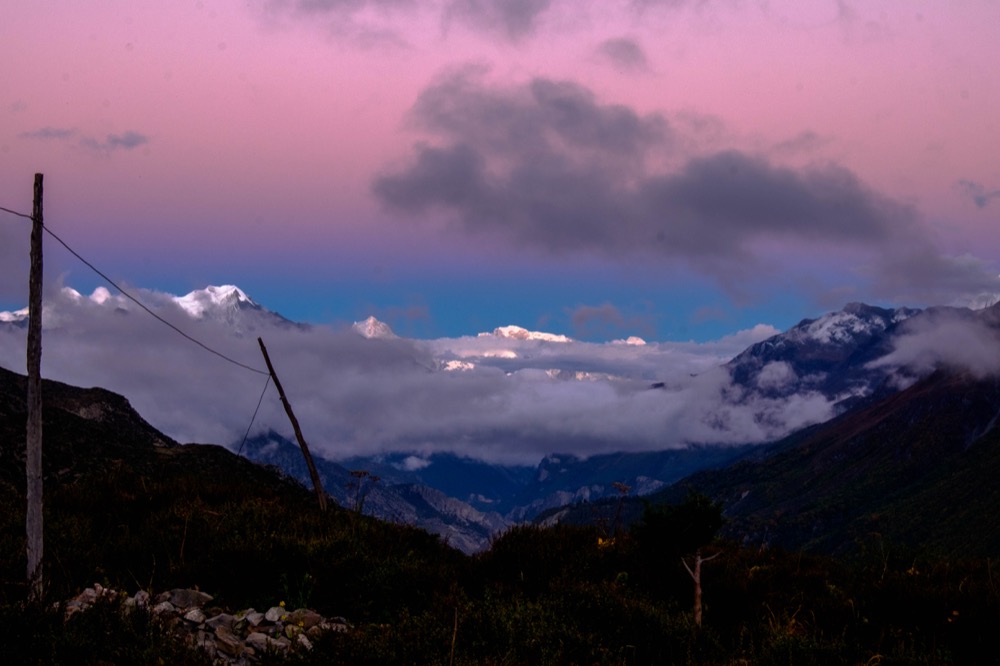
141 305
129 296
254 417
14 212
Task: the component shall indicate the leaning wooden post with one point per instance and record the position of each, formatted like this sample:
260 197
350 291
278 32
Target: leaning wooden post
33 458
317 484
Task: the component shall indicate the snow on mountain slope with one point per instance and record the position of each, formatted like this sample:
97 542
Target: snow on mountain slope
828 355
518 333
210 300
373 328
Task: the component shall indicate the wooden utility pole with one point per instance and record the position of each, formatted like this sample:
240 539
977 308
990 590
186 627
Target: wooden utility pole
33 458
317 484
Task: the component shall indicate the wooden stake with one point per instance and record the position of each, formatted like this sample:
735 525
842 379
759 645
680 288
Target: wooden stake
33 459
317 484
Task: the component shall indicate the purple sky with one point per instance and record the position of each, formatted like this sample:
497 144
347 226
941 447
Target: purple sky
670 169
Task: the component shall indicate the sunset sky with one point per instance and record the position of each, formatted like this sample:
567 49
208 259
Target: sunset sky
668 169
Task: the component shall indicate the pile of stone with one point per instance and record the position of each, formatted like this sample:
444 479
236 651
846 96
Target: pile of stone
231 639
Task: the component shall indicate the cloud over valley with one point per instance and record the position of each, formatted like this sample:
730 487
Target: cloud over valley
493 396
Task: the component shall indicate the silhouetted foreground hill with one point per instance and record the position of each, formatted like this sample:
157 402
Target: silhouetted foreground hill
130 509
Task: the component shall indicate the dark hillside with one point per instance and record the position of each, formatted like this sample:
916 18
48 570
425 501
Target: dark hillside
128 507
917 468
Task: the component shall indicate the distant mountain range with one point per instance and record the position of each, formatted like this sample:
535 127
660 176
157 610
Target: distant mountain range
227 303
830 355
908 466
885 377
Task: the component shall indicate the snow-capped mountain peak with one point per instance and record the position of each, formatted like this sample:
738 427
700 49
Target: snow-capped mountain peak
632 340
373 328
847 325
201 301
518 333
15 316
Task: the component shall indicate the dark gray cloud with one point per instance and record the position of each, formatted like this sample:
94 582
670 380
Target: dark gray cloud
916 272
548 165
977 192
110 143
624 54
59 133
364 23
670 4
513 19
804 142
541 118
128 140
606 314
719 203
341 7
608 321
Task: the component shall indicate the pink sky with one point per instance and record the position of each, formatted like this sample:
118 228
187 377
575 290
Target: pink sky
185 142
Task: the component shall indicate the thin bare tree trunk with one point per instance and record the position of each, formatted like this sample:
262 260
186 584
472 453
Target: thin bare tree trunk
696 577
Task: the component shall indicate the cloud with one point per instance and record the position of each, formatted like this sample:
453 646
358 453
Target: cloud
918 272
513 19
607 321
956 339
547 165
670 4
775 375
364 23
861 29
342 9
45 133
128 140
977 192
319 6
358 396
376 21
605 314
804 142
413 463
719 203
110 143
624 54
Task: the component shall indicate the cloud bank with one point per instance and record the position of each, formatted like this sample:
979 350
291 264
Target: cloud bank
492 396
488 397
